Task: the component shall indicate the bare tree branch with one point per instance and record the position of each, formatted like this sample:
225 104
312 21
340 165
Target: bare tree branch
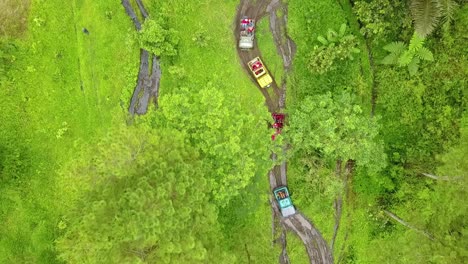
408 225
441 178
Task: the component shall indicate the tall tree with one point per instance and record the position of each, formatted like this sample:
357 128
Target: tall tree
144 201
428 13
234 141
336 128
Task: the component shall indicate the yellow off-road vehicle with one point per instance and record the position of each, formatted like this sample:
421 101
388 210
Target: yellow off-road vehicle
260 73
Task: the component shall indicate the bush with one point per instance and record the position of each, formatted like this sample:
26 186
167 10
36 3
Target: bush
157 39
336 45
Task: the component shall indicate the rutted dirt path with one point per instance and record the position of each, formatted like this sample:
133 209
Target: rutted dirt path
316 247
338 203
147 87
284 44
255 11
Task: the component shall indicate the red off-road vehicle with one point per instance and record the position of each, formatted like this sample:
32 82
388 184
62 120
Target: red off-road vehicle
278 124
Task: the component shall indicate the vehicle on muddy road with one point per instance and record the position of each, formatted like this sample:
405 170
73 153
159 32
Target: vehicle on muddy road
260 72
278 124
285 204
247 33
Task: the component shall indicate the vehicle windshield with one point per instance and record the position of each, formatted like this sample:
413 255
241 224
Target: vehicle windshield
257 67
281 194
259 72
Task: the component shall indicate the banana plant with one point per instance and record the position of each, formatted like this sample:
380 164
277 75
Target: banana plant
336 46
333 36
340 39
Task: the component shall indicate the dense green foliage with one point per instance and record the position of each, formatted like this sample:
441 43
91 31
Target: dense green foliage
62 138
335 46
82 182
378 17
158 40
336 129
409 56
151 205
416 117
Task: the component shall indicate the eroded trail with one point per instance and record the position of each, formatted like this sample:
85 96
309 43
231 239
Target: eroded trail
255 11
149 75
316 247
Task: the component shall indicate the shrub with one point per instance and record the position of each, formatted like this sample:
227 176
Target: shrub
335 45
157 39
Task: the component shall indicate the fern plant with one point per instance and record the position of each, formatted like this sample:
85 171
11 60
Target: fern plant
410 56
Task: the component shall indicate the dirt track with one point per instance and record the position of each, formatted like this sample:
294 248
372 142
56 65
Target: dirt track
316 247
255 11
147 87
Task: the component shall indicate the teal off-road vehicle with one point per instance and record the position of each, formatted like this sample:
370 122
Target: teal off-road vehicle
284 201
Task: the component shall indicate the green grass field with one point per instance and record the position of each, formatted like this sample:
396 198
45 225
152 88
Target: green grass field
205 50
267 46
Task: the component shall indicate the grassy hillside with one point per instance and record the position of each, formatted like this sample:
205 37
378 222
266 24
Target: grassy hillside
65 89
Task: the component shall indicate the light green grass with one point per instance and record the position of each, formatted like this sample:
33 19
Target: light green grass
267 46
76 78
296 250
53 62
217 62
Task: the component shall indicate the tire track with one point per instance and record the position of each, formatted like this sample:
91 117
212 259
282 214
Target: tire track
255 11
147 87
316 247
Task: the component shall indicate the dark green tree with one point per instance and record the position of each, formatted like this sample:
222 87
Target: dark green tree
234 143
336 128
428 13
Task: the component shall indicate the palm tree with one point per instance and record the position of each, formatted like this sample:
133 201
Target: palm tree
447 11
427 13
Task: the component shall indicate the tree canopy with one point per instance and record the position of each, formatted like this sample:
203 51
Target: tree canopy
146 201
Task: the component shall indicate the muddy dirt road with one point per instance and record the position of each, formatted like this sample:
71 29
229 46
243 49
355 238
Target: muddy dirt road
149 75
316 247
255 11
